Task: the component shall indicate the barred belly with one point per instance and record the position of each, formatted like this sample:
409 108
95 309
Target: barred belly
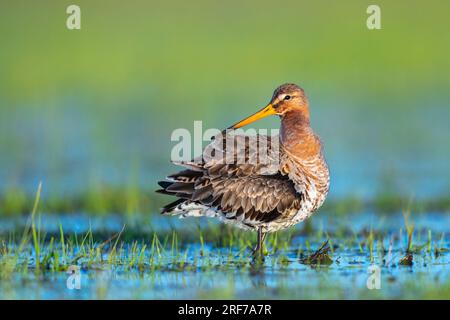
315 191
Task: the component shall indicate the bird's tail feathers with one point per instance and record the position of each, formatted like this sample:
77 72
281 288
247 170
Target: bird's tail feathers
185 208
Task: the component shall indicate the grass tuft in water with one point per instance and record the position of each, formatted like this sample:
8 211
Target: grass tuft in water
320 257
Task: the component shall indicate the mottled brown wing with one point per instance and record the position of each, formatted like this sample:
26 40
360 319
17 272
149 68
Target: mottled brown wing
254 198
254 191
235 154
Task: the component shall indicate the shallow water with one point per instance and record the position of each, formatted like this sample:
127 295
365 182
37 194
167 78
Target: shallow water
344 280
217 272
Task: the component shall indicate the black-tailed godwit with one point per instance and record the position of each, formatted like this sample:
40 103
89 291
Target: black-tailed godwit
264 194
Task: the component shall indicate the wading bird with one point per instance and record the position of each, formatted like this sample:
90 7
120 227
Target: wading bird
263 194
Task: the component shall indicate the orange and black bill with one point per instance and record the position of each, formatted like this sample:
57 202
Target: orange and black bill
267 111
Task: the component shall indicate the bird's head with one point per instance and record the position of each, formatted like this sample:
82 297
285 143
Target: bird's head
287 97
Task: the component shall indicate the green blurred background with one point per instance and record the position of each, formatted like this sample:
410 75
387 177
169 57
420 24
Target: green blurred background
89 111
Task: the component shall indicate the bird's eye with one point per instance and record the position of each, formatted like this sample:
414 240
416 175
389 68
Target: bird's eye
287 97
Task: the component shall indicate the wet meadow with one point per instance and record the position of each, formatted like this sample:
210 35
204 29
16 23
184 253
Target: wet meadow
86 119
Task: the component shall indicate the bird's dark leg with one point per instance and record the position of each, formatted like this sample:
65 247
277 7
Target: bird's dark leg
259 250
263 237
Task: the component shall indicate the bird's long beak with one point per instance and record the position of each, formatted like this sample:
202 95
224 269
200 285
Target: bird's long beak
267 111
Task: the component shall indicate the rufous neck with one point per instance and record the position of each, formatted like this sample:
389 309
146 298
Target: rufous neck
295 120
296 130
